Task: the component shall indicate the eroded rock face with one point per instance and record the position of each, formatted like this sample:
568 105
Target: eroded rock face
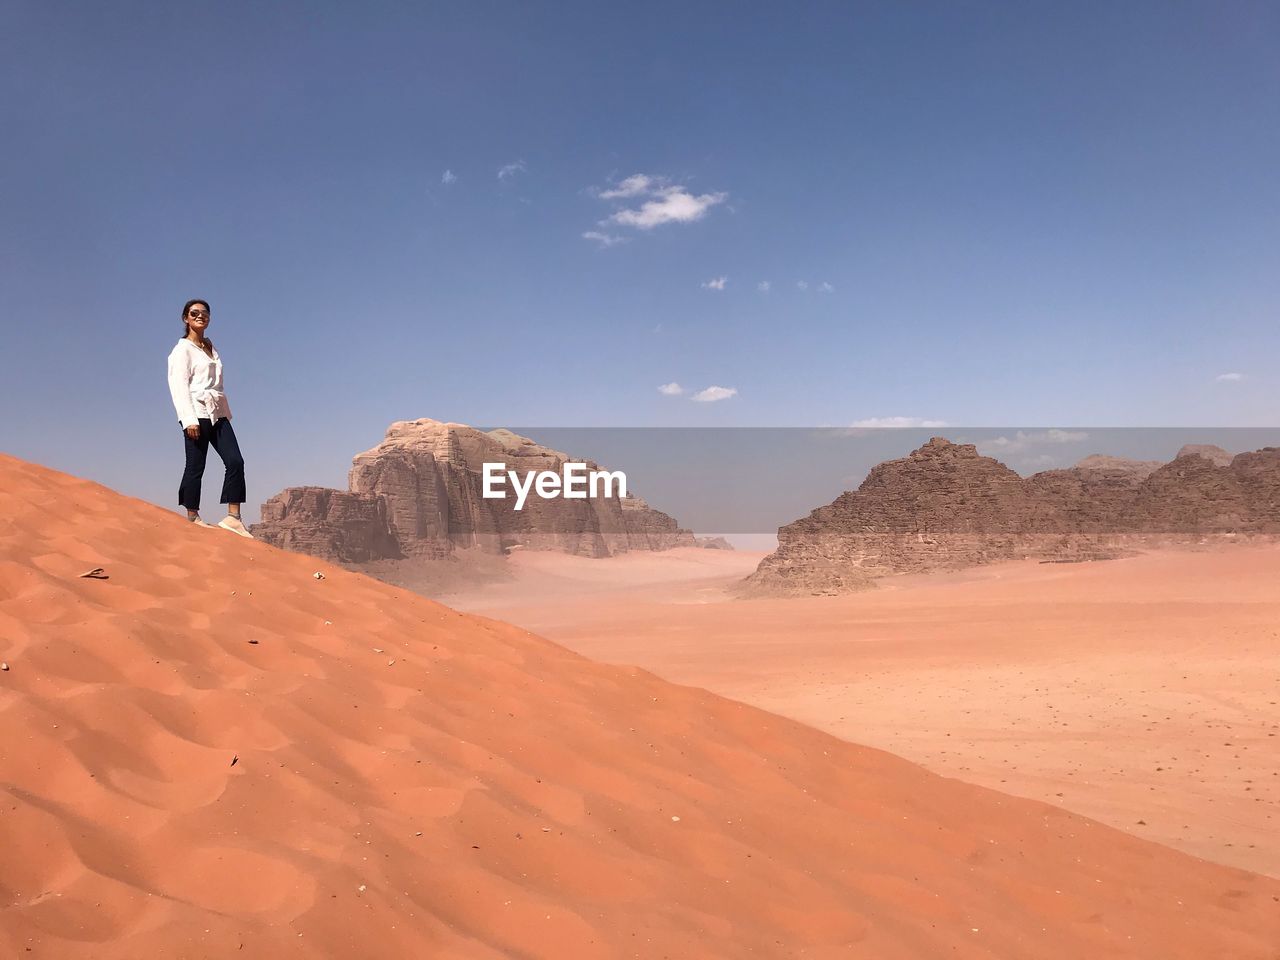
427 475
945 506
1209 451
332 524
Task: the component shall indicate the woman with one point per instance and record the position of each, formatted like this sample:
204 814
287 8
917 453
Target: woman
195 383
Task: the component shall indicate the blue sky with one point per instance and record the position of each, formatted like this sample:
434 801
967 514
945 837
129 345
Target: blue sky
1024 213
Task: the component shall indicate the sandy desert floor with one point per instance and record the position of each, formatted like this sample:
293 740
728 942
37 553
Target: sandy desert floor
1142 692
213 753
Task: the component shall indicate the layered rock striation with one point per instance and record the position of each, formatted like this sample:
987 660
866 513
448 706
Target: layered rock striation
332 524
945 506
419 493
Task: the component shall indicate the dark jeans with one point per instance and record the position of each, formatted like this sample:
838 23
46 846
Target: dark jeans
223 439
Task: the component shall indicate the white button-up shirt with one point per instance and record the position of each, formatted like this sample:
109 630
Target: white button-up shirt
195 383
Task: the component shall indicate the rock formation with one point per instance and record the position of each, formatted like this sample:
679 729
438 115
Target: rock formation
945 506
419 494
713 543
1102 461
1207 450
333 524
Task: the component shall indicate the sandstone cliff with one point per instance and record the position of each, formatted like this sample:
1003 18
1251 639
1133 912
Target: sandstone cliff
333 524
945 506
418 494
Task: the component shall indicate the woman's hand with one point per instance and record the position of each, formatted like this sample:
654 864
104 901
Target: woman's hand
193 431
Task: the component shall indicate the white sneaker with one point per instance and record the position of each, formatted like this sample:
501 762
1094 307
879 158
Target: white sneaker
235 525
197 522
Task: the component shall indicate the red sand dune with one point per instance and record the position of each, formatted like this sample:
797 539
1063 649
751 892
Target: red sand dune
416 782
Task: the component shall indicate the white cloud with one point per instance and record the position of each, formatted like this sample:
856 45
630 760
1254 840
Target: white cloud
763 286
826 288
671 389
665 202
1229 377
1023 440
633 186
802 284
448 177
670 205
712 394
511 169
888 423
716 283
604 239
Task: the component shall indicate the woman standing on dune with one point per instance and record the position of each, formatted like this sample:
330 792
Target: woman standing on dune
195 383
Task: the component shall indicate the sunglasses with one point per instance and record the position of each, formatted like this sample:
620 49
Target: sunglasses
197 314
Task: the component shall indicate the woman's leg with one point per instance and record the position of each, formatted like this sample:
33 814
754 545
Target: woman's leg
193 473
223 438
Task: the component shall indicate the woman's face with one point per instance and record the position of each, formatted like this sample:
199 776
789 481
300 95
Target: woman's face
198 318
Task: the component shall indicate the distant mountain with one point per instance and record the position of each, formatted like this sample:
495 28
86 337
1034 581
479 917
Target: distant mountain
419 493
945 506
1207 450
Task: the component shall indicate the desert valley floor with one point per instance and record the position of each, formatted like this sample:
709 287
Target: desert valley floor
1142 692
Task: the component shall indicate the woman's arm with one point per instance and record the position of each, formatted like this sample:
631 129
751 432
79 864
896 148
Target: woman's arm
180 387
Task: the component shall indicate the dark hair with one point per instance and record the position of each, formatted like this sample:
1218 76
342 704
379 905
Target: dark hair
187 306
